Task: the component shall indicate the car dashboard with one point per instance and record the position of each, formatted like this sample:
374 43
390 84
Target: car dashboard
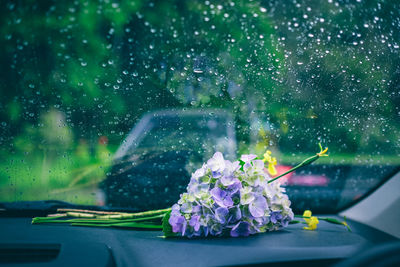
24 244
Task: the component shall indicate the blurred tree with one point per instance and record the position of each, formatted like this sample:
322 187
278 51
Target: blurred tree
326 71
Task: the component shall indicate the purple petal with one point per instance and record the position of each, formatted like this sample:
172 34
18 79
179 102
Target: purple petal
246 166
231 167
220 214
178 223
199 172
241 229
275 216
176 208
215 229
217 162
218 193
258 207
216 174
205 229
258 164
194 222
235 187
248 158
228 180
196 209
228 202
184 224
235 214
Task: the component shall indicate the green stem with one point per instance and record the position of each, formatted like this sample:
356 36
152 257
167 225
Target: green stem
85 215
123 224
302 164
98 221
135 215
46 219
329 220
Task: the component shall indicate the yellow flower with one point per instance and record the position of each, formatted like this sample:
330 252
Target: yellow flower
311 221
307 215
322 153
271 162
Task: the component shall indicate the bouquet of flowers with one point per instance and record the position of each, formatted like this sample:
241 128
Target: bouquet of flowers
223 198
230 197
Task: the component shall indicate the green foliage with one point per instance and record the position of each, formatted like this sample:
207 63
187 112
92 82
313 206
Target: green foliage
74 71
166 227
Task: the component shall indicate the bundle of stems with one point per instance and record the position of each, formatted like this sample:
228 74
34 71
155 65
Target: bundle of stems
145 220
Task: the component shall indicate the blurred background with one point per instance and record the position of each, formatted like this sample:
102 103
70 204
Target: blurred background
77 78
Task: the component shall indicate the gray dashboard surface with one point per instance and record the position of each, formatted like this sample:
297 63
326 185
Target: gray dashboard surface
148 248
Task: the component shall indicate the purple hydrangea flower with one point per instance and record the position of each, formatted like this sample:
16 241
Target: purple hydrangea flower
258 207
216 174
247 160
275 216
234 200
216 163
221 214
234 188
200 172
285 221
241 229
195 222
178 223
221 197
216 229
235 214
258 165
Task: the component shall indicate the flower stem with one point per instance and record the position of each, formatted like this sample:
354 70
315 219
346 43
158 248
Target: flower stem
91 211
135 215
329 220
122 224
98 221
100 216
303 163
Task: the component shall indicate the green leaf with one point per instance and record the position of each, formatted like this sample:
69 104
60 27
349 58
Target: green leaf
166 227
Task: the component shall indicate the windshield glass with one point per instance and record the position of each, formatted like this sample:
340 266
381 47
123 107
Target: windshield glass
117 102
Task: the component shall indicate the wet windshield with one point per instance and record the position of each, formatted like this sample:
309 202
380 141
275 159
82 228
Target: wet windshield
117 102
